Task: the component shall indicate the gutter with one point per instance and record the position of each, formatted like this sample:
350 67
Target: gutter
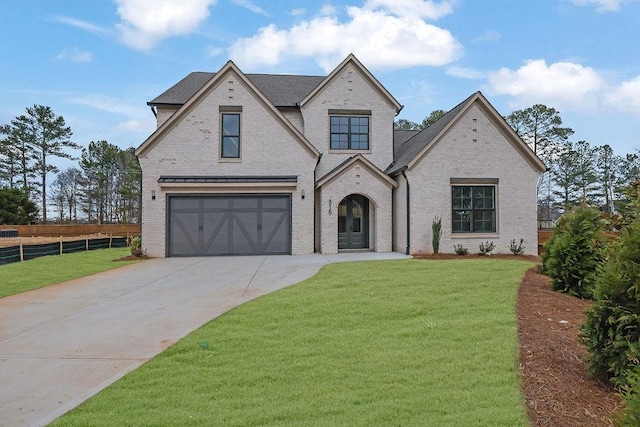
408 250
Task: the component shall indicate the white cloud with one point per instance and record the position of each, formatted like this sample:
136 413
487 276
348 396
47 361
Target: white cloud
298 12
488 36
251 6
328 10
134 126
147 22
561 84
136 118
381 34
78 23
417 8
74 55
465 73
106 103
215 51
603 5
626 97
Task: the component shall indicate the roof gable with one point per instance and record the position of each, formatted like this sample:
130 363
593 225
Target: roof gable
348 163
409 153
210 84
352 60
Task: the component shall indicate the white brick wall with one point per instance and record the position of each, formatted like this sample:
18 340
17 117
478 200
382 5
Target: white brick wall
350 91
356 179
192 147
458 156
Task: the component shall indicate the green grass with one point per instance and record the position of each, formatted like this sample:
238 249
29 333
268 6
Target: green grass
40 272
377 343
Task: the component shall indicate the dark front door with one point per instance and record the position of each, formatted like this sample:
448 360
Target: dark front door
229 225
353 222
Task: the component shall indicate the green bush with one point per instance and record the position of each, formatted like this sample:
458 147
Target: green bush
436 229
631 395
517 248
574 252
485 248
136 246
611 332
460 250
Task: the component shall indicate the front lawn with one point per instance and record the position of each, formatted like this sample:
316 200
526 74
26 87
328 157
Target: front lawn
37 273
373 343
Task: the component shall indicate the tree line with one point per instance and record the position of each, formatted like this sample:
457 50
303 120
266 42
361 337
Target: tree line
103 188
578 173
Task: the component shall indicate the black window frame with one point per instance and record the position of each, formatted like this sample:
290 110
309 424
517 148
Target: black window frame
228 137
353 140
470 211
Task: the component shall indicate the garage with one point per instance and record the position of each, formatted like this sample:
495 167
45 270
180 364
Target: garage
223 224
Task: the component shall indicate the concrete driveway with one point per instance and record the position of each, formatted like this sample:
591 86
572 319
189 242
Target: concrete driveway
62 344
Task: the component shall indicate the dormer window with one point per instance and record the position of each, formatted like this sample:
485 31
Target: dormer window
349 132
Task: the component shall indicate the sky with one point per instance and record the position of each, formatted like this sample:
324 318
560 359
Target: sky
98 62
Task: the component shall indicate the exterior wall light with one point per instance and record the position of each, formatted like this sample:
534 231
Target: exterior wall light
302 194
153 194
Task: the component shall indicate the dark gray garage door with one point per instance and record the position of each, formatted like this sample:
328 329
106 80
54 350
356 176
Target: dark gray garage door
229 225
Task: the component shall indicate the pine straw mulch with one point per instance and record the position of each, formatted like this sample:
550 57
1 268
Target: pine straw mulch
557 387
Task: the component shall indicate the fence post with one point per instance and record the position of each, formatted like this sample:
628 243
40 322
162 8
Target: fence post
86 242
21 251
60 245
110 239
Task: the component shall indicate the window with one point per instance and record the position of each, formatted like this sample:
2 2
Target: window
349 133
474 208
230 142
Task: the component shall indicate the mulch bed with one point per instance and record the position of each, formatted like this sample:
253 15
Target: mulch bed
557 387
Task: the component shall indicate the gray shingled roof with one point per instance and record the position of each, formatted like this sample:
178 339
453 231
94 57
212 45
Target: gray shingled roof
405 152
282 90
400 136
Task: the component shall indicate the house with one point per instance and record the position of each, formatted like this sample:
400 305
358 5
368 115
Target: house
282 164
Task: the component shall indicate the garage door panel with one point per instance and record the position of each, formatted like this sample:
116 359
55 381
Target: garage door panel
216 233
275 232
184 233
229 225
245 233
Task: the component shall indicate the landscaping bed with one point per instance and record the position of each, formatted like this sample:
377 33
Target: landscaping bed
557 387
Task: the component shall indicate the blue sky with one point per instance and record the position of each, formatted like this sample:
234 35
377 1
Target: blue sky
98 62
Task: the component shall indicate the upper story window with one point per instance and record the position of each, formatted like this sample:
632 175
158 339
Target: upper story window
230 135
349 133
474 208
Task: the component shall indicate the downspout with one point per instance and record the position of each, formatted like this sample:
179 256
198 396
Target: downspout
408 251
315 173
153 110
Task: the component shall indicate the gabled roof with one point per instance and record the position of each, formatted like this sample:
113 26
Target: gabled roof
400 136
280 89
201 93
407 154
352 60
345 165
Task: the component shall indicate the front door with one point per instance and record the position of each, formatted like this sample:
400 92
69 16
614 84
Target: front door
353 222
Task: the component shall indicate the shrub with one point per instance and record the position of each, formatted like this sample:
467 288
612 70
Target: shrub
136 246
611 332
517 248
460 250
574 252
631 395
486 248
436 228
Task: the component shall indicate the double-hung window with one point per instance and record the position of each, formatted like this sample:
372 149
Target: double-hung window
474 208
230 135
349 133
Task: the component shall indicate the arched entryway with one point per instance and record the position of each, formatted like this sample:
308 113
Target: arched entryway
353 222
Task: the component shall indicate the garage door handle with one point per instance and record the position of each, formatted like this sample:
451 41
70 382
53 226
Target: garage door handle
259 227
200 227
